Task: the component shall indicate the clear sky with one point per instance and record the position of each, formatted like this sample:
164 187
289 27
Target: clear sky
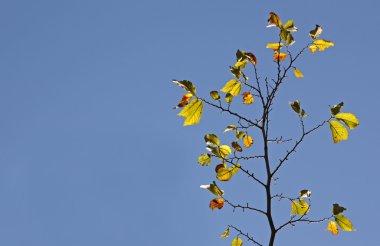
92 153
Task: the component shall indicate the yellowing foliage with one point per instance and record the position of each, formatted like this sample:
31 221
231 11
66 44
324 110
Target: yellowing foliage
233 87
226 233
247 98
349 119
298 73
248 141
279 56
333 228
300 208
338 131
192 112
237 242
274 20
216 203
275 46
322 44
344 223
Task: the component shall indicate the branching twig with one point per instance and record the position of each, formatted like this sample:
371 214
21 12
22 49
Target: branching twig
235 206
249 238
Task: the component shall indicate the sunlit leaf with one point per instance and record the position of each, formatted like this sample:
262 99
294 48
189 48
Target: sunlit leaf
333 228
226 233
337 209
237 242
229 98
225 174
213 188
296 106
298 73
236 146
314 34
185 100
192 112
338 131
222 151
349 119
241 64
335 109
248 141
275 46
233 87
313 48
322 44
274 20
279 56
305 194
247 98
230 128
219 166
236 72
204 159
186 85
287 37
217 203
344 223
300 207
215 95
211 139
239 135
289 26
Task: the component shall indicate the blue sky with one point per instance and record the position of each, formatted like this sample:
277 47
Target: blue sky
91 152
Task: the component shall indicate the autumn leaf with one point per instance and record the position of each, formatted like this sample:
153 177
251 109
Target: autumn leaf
215 95
316 32
239 135
338 131
248 141
333 228
335 109
229 98
213 188
313 48
349 119
184 101
279 56
226 233
225 174
298 73
287 37
233 87
274 20
219 166
337 209
230 128
204 159
216 203
305 194
222 151
192 112
296 106
300 208
211 139
186 85
289 26
241 64
236 146
247 98
251 57
275 46
344 223
237 242
322 44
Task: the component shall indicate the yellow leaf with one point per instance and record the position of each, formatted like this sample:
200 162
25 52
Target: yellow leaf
339 132
222 151
279 56
192 112
217 203
274 20
333 228
237 242
241 64
300 208
225 174
322 44
314 34
226 233
213 188
186 85
349 119
344 223
204 159
289 26
185 100
248 141
233 87
313 48
275 46
298 73
247 98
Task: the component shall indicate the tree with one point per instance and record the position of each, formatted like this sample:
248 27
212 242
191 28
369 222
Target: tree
233 157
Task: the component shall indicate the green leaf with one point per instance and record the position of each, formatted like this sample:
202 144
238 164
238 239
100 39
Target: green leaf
296 106
300 208
213 188
287 37
215 95
336 108
229 98
303 113
192 112
233 87
337 209
204 159
237 242
186 85
212 139
349 119
344 223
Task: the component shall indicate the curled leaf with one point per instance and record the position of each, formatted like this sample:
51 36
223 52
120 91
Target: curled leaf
289 26
337 209
186 85
216 203
247 98
305 194
226 233
215 95
298 73
274 20
230 128
336 108
229 98
316 32
213 188
279 56
251 57
296 106
211 139
239 135
236 146
333 228
184 101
